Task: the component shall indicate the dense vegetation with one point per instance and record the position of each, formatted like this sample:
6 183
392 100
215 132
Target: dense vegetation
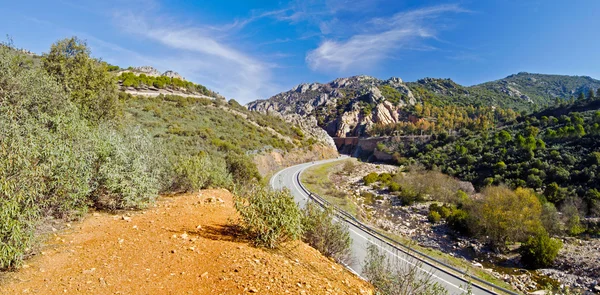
499 216
71 141
60 153
552 152
428 119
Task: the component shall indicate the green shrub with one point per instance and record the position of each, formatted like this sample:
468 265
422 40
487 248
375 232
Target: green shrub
242 168
408 197
433 217
398 277
199 172
394 187
384 177
370 178
540 251
445 211
42 171
268 217
126 175
459 221
331 238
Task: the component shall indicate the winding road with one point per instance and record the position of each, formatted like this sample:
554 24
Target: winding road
363 236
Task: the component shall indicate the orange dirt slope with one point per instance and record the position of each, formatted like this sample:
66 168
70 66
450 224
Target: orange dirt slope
183 245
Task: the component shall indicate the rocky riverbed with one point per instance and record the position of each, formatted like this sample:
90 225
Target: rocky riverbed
577 266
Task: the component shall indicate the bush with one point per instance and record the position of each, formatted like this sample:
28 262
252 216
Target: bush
434 217
370 178
331 238
199 172
42 171
540 251
394 187
127 174
349 166
369 198
242 168
398 277
268 217
459 221
384 177
408 197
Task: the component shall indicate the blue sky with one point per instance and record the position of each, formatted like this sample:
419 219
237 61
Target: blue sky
253 49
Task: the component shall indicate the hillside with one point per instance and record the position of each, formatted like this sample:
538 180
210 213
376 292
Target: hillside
539 88
188 247
555 152
72 141
362 105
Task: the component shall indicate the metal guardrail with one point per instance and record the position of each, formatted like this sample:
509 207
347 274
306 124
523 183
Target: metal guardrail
422 257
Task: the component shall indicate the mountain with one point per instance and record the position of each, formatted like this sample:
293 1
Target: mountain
540 88
363 105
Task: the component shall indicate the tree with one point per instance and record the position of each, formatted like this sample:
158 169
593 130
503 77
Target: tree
591 94
540 250
581 96
505 216
504 136
87 80
598 93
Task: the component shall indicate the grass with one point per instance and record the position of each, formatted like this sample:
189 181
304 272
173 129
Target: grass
317 180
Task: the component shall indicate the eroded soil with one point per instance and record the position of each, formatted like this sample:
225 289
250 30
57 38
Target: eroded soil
183 245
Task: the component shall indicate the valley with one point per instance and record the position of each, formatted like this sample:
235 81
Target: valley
370 147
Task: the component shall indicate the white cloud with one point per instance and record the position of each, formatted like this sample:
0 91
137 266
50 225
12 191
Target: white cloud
196 53
382 37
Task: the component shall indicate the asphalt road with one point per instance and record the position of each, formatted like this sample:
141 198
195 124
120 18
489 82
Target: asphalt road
288 178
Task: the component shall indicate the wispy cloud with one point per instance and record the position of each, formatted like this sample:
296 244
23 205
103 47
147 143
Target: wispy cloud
256 15
197 53
381 38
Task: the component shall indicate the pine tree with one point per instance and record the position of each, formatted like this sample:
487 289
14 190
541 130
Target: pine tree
581 96
590 94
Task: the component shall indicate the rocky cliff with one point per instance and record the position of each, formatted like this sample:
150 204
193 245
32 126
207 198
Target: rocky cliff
343 107
352 106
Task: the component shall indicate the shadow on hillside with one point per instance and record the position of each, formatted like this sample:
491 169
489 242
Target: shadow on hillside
228 232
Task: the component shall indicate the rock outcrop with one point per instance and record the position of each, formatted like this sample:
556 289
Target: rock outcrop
172 74
344 107
148 70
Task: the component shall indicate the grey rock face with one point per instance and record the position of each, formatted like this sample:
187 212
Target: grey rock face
148 70
339 106
172 74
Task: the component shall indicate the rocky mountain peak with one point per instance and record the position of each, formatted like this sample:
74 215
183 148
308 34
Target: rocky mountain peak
337 105
148 70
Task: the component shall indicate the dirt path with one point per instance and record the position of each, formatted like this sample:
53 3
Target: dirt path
181 246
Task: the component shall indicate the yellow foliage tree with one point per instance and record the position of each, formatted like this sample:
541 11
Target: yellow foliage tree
506 216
